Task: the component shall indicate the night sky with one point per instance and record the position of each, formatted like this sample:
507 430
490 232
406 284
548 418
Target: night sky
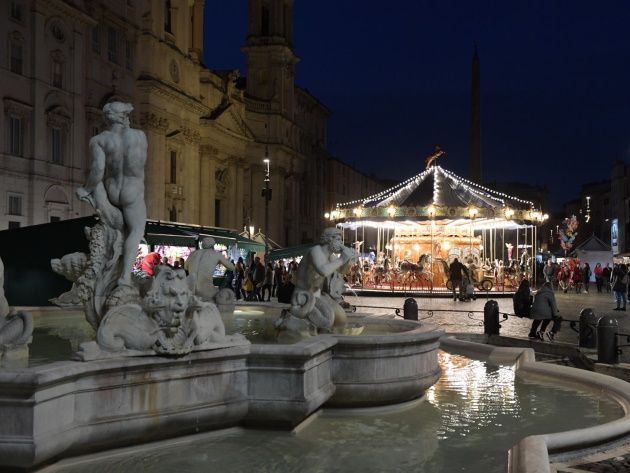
555 82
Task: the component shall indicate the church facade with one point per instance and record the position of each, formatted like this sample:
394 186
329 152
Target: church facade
208 131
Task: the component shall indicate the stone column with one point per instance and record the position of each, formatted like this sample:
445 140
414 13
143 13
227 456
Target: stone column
155 169
191 179
207 195
238 193
197 37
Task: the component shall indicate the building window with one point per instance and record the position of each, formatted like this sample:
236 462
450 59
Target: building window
112 44
168 17
17 54
173 167
16 135
15 204
217 212
56 145
128 55
57 73
172 214
55 219
14 225
17 12
96 39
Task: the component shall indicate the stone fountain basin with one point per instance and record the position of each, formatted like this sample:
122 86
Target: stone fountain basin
66 408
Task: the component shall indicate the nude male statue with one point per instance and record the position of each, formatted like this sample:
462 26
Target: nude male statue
310 298
201 264
115 184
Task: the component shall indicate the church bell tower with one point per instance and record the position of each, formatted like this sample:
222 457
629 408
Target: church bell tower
269 52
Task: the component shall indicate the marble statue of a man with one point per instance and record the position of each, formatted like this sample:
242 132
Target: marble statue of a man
201 264
115 184
311 301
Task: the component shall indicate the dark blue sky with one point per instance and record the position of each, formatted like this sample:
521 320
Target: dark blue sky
555 82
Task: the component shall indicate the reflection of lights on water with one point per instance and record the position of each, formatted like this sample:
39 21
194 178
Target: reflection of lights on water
470 392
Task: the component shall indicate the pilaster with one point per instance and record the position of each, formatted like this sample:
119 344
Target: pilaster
155 127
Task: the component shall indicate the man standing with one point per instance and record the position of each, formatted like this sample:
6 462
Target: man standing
115 184
455 275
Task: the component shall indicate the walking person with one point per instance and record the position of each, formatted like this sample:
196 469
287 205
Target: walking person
586 276
266 286
606 275
599 282
620 286
548 271
545 310
277 278
239 276
455 275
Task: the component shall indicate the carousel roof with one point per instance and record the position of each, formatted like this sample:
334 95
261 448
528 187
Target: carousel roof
438 186
438 194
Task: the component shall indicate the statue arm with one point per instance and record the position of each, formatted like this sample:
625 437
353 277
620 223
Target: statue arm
326 268
97 168
227 263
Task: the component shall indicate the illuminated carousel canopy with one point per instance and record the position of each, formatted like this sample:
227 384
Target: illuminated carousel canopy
437 194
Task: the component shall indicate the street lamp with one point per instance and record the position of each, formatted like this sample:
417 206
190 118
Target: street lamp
266 193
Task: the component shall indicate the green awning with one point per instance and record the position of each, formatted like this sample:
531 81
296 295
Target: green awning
249 244
164 234
221 236
290 252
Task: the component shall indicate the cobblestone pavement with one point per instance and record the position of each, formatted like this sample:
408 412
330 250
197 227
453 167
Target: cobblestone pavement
453 316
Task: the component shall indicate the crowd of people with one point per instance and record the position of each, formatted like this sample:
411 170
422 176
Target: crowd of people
259 282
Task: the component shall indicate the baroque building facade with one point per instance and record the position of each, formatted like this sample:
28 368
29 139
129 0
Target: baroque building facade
208 131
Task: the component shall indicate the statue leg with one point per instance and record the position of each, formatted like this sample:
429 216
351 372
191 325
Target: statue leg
135 218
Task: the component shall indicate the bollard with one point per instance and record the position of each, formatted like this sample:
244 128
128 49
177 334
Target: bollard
491 324
410 309
607 351
588 326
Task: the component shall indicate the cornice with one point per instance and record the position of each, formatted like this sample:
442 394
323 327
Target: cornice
153 85
153 121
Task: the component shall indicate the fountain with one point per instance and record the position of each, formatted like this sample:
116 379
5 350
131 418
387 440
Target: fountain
162 365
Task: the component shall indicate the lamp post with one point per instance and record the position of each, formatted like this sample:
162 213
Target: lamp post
266 193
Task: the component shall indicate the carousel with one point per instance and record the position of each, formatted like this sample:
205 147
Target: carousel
408 235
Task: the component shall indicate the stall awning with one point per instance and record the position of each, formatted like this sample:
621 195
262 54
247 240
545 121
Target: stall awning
164 234
290 252
221 236
249 244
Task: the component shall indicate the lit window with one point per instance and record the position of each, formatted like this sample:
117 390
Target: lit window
56 143
16 135
15 204
112 45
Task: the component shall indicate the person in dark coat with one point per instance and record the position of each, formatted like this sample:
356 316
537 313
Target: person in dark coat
455 271
544 310
285 292
523 300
